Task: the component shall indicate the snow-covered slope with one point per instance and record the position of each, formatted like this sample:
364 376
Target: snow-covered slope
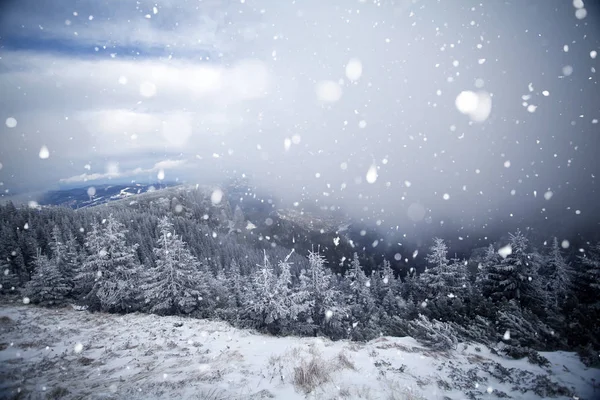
63 353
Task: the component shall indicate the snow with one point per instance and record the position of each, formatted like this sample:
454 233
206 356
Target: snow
580 13
11 122
354 69
505 251
78 348
216 196
478 105
371 175
141 356
44 153
593 54
329 91
466 102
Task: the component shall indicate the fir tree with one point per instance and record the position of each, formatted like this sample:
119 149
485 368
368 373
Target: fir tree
513 277
47 285
108 275
293 303
261 301
432 280
361 302
171 287
9 280
589 277
326 313
483 282
561 275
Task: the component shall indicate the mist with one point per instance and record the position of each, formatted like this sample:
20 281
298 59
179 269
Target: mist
456 118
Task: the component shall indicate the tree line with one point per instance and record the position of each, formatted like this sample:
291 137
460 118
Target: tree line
123 259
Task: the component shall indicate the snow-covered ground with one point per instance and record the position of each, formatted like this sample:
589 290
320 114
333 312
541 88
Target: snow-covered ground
64 353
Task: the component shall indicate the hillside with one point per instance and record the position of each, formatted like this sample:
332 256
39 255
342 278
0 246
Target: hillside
64 353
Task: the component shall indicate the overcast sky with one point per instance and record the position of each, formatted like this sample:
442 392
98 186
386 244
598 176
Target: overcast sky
341 102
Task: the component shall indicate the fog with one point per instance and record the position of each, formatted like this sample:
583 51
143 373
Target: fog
347 104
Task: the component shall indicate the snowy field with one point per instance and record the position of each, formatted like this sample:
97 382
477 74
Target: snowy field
64 353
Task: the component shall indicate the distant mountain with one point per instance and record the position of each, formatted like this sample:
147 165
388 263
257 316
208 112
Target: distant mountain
254 216
95 195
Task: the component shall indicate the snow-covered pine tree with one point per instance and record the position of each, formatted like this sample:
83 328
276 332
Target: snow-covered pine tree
58 248
171 287
432 280
235 293
411 289
294 303
72 259
9 280
108 278
326 311
64 254
483 283
361 302
259 300
587 314
513 276
47 285
386 289
561 276
11 252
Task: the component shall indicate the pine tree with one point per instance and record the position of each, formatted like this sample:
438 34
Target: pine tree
261 301
9 280
72 259
11 252
484 284
294 303
64 254
585 317
57 247
444 278
171 287
108 278
513 277
561 275
326 313
432 280
361 302
589 278
235 293
47 285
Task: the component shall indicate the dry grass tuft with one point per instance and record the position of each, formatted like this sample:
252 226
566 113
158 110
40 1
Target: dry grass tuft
344 361
311 374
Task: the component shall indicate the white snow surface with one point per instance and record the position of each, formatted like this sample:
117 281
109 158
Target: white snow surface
141 356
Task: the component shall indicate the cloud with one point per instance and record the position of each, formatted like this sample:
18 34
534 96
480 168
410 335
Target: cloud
232 88
159 166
